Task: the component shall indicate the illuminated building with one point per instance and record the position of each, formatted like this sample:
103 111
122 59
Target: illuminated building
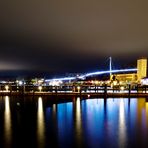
120 75
133 77
142 68
128 77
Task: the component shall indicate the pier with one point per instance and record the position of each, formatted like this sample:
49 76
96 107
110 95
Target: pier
82 91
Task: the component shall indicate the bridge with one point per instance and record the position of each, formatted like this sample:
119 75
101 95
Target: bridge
110 71
92 74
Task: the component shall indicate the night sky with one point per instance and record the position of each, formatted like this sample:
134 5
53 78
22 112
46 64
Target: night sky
56 37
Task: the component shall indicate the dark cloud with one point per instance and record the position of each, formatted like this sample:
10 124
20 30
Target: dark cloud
73 35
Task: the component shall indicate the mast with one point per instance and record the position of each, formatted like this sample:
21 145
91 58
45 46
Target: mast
110 66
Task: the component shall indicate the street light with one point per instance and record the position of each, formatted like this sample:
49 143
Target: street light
20 82
96 82
6 87
122 88
78 88
40 88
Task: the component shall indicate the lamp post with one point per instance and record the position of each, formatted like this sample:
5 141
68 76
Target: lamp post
78 87
7 88
40 88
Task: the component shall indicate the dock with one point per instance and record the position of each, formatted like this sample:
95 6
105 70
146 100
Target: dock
80 91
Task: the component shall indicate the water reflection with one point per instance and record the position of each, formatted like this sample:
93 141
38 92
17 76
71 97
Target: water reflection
81 123
92 122
78 122
122 125
146 106
78 116
40 123
7 122
54 110
65 124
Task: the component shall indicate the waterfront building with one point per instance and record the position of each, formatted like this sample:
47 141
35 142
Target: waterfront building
141 68
133 77
126 77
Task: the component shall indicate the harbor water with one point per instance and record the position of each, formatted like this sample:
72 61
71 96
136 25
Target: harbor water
75 122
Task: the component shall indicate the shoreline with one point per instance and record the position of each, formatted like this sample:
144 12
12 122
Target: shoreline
75 94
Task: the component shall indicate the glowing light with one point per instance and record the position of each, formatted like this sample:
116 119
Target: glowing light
54 109
18 104
105 72
40 88
62 79
20 82
92 74
122 125
115 83
144 81
122 88
78 115
96 82
7 87
78 88
146 106
41 81
40 122
7 120
108 82
55 82
121 82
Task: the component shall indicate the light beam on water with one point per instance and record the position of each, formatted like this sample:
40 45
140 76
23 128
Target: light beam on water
40 123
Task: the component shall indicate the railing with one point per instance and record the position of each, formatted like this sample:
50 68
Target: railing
72 89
